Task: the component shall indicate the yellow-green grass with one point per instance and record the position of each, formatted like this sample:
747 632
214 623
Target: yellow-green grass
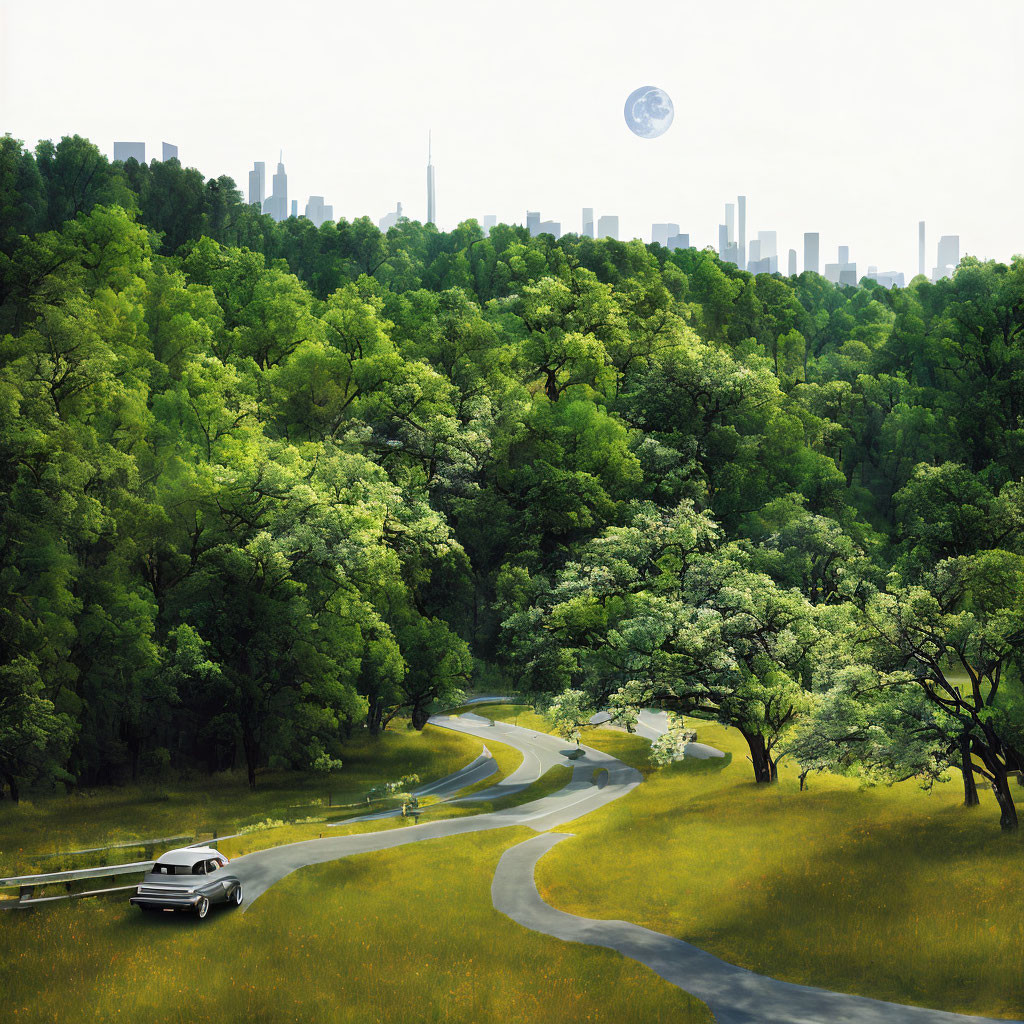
887 892
222 802
406 935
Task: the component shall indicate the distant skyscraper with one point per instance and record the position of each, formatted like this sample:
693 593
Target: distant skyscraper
843 272
169 152
550 227
608 227
295 207
729 250
489 221
920 247
318 213
588 222
767 247
661 233
533 222
792 262
948 256
276 205
257 183
811 251
949 250
677 242
130 151
753 254
431 207
389 220
741 202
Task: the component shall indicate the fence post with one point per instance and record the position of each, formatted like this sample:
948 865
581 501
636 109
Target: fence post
25 892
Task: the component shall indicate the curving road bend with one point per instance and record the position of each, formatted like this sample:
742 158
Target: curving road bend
261 869
734 994
651 724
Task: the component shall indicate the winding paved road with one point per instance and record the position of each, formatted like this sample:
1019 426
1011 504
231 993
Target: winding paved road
734 994
260 870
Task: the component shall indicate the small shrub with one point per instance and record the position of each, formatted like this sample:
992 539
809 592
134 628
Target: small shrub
260 826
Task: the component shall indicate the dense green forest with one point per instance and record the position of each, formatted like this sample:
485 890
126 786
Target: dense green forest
265 483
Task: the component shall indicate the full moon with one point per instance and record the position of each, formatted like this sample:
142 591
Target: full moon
649 112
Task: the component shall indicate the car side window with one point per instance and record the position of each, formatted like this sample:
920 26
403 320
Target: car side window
200 868
211 866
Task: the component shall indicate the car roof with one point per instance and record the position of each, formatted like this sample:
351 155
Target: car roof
188 855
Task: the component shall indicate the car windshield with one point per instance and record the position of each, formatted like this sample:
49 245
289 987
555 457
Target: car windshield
178 869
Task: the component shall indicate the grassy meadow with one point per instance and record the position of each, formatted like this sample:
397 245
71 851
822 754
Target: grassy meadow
223 802
406 935
894 892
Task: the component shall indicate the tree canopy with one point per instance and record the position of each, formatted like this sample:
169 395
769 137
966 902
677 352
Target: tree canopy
266 483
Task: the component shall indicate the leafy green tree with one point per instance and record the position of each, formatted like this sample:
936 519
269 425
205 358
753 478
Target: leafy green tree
22 196
76 177
964 618
659 613
34 736
569 713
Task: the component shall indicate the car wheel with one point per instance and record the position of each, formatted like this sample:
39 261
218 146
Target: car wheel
237 895
202 908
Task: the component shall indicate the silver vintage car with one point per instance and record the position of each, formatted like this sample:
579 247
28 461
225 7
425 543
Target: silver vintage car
190 879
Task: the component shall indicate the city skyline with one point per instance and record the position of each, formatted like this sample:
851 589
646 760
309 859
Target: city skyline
917 143
761 257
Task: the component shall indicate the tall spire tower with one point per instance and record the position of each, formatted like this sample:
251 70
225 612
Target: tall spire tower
431 208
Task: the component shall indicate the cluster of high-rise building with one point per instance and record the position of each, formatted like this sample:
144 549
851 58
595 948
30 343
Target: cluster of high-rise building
760 255
276 205
125 151
606 226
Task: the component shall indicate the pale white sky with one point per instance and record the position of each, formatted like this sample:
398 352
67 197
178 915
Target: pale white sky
854 119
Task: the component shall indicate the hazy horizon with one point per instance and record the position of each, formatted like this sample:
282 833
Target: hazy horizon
853 122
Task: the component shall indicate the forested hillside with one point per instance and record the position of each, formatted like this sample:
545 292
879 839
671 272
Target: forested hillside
263 483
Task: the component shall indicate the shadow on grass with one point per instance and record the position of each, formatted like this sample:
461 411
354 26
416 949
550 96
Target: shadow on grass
699 766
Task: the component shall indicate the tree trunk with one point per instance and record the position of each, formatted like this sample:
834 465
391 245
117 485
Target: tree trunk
419 716
12 785
374 717
252 759
764 769
1007 811
967 767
